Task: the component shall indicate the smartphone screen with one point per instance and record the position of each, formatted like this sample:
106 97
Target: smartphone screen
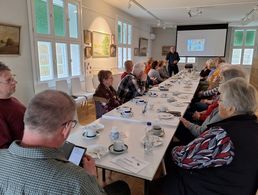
77 154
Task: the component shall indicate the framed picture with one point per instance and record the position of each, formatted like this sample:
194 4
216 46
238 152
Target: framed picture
113 39
88 52
112 50
143 46
87 38
165 50
136 52
101 44
9 39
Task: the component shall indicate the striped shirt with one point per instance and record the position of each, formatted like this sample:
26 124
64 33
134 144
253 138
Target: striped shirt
42 171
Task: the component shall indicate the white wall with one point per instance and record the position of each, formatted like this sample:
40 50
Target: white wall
15 12
101 17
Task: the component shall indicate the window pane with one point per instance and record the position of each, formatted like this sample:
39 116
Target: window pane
120 57
61 60
124 33
73 20
41 16
129 54
190 60
59 19
250 37
119 32
248 56
236 56
124 55
238 38
75 59
45 60
129 34
182 60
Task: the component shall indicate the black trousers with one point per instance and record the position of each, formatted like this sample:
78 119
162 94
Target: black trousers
172 68
117 188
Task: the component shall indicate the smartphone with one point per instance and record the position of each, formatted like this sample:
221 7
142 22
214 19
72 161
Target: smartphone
76 155
73 153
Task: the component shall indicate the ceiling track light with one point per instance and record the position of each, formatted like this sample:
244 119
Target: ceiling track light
194 12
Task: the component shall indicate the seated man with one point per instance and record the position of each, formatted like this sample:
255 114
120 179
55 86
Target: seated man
133 84
11 110
35 165
128 68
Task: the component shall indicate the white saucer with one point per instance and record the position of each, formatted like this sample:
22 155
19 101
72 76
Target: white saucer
161 134
171 99
129 115
111 149
123 108
93 137
166 116
157 141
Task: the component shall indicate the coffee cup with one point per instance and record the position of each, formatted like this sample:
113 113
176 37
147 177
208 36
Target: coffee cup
89 133
126 113
118 145
156 129
162 108
114 133
139 101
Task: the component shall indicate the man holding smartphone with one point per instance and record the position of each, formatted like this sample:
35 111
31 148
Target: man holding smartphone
36 165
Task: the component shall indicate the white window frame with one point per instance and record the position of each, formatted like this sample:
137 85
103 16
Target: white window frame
55 39
122 45
243 47
186 60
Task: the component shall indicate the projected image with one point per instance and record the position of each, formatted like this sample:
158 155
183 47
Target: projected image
195 44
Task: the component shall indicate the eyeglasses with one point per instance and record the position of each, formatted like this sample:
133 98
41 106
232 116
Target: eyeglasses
73 123
10 80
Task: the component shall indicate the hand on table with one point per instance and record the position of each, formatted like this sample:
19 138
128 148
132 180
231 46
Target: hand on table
89 165
185 122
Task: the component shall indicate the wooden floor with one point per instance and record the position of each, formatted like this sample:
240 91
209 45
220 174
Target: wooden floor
86 114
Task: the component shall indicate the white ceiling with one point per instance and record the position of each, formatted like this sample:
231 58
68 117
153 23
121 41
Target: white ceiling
175 12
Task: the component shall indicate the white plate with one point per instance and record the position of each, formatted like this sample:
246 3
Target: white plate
95 126
183 96
166 116
172 99
111 149
161 134
176 93
157 141
96 151
93 137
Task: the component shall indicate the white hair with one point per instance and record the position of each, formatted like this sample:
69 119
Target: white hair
138 68
241 95
232 72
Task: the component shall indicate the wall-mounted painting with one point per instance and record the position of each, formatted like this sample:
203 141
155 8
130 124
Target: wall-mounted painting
112 50
87 38
136 52
165 50
143 46
101 44
9 39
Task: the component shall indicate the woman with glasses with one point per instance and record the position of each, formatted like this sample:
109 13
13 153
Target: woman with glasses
105 96
11 109
224 158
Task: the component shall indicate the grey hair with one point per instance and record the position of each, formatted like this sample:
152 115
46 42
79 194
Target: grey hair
48 110
3 67
138 68
232 72
241 95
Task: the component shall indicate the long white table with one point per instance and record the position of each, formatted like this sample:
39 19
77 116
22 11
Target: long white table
133 129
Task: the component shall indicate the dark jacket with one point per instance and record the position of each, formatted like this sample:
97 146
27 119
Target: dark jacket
240 176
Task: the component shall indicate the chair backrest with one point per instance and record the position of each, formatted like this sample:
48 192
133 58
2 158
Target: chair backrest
99 109
95 81
62 85
116 80
89 87
76 85
41 87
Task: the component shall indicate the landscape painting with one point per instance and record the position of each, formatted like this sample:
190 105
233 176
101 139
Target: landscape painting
101 44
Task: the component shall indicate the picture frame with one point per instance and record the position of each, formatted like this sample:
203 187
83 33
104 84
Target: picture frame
136 52
113 42
112 50
88 52
9 39
87 35
143 46
165 50
101 44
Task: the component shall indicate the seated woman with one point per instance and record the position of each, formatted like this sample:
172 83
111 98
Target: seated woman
105 96
154 73
224 158
209 66
163 70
